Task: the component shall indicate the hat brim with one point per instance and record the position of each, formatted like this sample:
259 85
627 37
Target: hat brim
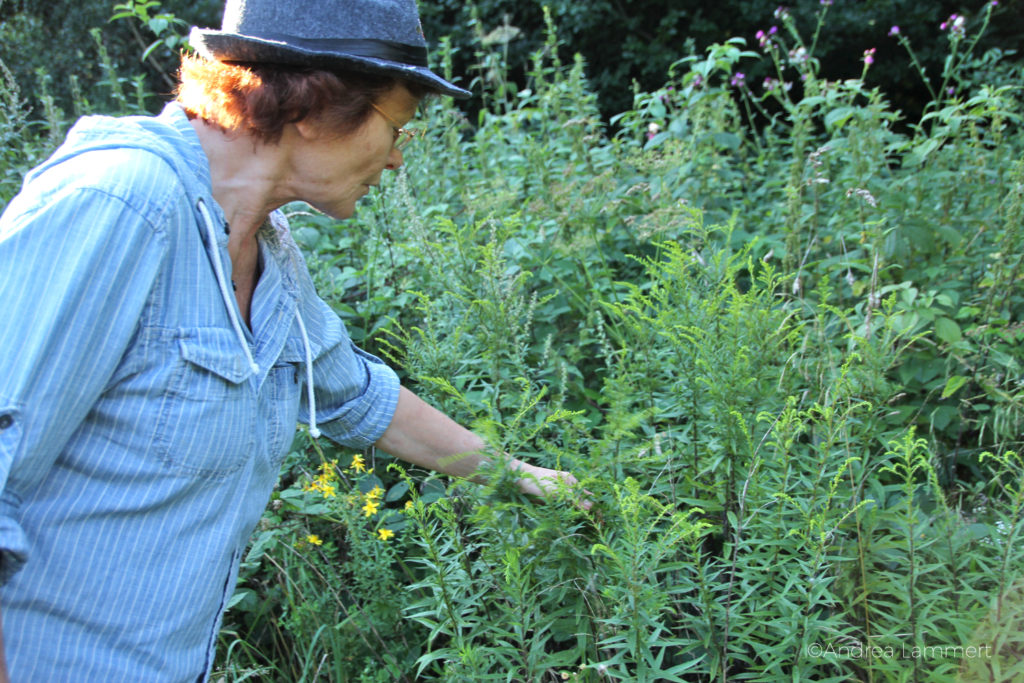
233 47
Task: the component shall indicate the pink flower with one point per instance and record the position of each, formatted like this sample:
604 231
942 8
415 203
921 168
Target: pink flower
894 31
764 38
869 57
955 25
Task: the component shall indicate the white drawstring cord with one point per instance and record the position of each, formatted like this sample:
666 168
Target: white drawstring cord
218 269
313 430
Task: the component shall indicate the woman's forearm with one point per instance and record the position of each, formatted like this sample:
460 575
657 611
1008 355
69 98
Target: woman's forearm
422 435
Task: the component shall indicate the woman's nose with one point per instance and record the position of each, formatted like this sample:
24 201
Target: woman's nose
395 159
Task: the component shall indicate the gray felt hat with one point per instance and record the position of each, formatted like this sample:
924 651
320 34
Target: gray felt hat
373 36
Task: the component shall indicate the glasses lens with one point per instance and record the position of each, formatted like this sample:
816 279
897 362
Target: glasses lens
405 136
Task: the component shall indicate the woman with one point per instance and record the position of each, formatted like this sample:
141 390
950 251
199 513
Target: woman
163 337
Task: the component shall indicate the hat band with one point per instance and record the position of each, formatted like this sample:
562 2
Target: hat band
372 48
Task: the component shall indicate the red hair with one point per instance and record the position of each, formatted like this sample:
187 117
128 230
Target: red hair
261 99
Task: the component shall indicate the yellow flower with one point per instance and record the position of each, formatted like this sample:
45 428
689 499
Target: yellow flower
313 539
324 484
375 492
408 505
385 534
371 508
358 464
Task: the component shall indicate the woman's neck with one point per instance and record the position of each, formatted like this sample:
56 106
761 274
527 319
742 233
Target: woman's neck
246 175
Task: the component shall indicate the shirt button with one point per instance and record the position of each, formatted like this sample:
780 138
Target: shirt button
6 421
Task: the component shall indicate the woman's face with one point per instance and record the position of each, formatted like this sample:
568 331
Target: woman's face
332 172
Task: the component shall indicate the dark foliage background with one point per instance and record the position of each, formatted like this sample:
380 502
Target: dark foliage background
54 36
638 40
621 41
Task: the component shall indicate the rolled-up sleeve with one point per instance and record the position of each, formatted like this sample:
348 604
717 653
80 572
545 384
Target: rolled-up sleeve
76 266
356 393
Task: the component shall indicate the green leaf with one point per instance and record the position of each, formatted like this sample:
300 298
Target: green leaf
953 384
727 140
260 545
837 117
240 595
947 330
396 491
920 153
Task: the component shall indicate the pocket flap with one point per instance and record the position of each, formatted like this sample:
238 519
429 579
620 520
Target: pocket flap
293 351
217 350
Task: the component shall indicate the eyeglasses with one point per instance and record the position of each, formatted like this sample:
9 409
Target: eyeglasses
403 136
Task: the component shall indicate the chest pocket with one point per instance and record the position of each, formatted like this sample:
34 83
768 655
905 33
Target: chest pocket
207 424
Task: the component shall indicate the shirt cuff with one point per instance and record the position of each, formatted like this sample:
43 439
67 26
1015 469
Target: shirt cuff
362 420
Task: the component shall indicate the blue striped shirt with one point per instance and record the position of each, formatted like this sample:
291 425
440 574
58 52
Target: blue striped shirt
138 446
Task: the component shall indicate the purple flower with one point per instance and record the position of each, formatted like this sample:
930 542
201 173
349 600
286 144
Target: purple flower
956 25
826 3
869 57
764 38
737 79
894 31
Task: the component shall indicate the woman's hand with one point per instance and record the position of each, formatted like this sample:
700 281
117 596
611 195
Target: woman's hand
422 435
544 482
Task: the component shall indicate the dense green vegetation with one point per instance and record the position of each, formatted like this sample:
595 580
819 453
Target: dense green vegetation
622 42
786 364
638 40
